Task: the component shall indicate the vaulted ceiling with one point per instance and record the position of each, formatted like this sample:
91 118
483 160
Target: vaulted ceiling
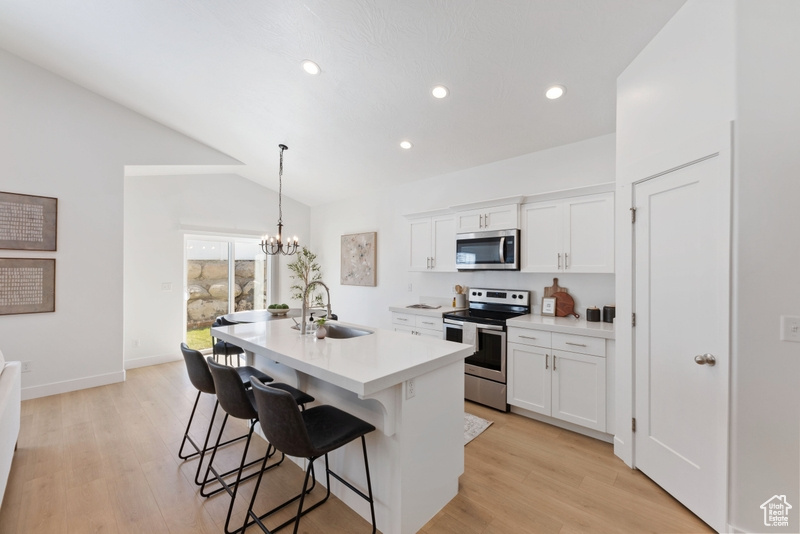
228 73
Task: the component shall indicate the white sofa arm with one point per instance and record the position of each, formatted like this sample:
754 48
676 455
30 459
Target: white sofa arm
10 405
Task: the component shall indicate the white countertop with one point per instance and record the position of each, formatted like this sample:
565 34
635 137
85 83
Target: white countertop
363 365
436 312
565 325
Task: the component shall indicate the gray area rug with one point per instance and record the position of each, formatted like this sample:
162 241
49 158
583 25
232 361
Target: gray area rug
473 426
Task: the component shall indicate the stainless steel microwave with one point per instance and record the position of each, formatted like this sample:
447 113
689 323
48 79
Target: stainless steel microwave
488 251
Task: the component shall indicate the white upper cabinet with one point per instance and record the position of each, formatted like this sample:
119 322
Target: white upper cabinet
433 244
505 217
569 235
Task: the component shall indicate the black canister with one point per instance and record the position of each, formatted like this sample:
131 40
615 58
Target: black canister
593 314
609 312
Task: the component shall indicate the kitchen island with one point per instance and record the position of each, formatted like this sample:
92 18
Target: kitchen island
410 387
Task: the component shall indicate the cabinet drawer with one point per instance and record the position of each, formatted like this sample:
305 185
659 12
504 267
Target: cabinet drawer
537 338
406 319
429 323
596 346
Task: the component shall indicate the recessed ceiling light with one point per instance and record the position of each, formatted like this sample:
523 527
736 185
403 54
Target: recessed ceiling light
405 144
310 67
440 91
556 91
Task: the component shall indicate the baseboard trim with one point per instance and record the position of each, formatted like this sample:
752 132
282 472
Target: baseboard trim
151 360
596 434
56 388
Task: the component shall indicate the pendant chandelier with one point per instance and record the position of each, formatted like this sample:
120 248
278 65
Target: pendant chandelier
274 245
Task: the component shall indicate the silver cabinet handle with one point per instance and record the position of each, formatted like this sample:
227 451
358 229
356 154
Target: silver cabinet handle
546 357
554 362
705 359
480 221
566 261
576 344
428 322
402 319
527 337
486 221
433 263
559 260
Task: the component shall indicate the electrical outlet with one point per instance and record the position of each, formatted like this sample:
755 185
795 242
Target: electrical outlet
166 286
790 328
411 388
409 288
27 367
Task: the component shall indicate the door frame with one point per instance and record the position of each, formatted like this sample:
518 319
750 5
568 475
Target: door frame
693 148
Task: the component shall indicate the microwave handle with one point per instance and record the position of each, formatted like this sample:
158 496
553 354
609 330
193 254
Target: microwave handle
502 250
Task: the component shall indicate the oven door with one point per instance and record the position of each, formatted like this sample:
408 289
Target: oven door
489 359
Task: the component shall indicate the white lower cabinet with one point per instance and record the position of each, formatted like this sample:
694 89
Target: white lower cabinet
565 384
419 325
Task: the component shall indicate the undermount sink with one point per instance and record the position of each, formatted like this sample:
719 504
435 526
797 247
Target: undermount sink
340 331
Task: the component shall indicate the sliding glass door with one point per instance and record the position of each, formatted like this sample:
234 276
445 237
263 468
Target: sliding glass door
223 275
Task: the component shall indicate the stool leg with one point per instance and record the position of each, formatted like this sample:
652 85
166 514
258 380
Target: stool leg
186 434
206 480
369 484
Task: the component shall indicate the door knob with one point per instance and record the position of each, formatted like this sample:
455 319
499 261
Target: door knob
705 359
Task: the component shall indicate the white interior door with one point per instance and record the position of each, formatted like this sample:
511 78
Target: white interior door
682 266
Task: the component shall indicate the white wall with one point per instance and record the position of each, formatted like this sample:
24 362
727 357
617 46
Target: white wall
679 88
581 164
710 65
765 456
59 140
158 212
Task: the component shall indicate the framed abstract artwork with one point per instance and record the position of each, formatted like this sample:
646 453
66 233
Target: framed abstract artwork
27 222
358 259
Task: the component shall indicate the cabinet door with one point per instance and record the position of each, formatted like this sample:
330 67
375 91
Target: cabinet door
405 329
541 237
579 389
589 234
420 245
529 378
469 221
443 235
501 217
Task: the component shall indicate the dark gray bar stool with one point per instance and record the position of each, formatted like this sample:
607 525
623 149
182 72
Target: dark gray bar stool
220 347
309 434
201 379
237 401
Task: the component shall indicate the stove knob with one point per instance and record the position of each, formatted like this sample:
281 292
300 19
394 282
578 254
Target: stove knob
513 296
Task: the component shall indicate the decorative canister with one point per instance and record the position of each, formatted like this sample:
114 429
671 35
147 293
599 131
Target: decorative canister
593 314
321 332
608 313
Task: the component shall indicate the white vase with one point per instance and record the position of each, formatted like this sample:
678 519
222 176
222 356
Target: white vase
321 332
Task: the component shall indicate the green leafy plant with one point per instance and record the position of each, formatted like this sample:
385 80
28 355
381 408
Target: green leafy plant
305 270
321 321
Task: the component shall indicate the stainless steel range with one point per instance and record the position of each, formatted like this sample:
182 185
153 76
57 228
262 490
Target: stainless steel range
484 325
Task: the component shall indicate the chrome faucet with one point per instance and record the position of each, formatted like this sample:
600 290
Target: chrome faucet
305 300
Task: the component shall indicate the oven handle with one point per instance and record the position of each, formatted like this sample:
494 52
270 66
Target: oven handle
479 326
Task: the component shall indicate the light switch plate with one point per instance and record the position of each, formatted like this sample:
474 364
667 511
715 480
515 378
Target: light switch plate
790 328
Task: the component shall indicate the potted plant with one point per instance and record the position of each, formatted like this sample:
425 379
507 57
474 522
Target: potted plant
305 270
321 330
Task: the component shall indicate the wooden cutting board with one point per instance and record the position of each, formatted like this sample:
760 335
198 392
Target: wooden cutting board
549 291
564 304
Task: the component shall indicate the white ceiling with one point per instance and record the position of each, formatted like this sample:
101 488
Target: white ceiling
228 73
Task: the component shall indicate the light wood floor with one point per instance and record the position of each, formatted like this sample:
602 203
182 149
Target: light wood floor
104 460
